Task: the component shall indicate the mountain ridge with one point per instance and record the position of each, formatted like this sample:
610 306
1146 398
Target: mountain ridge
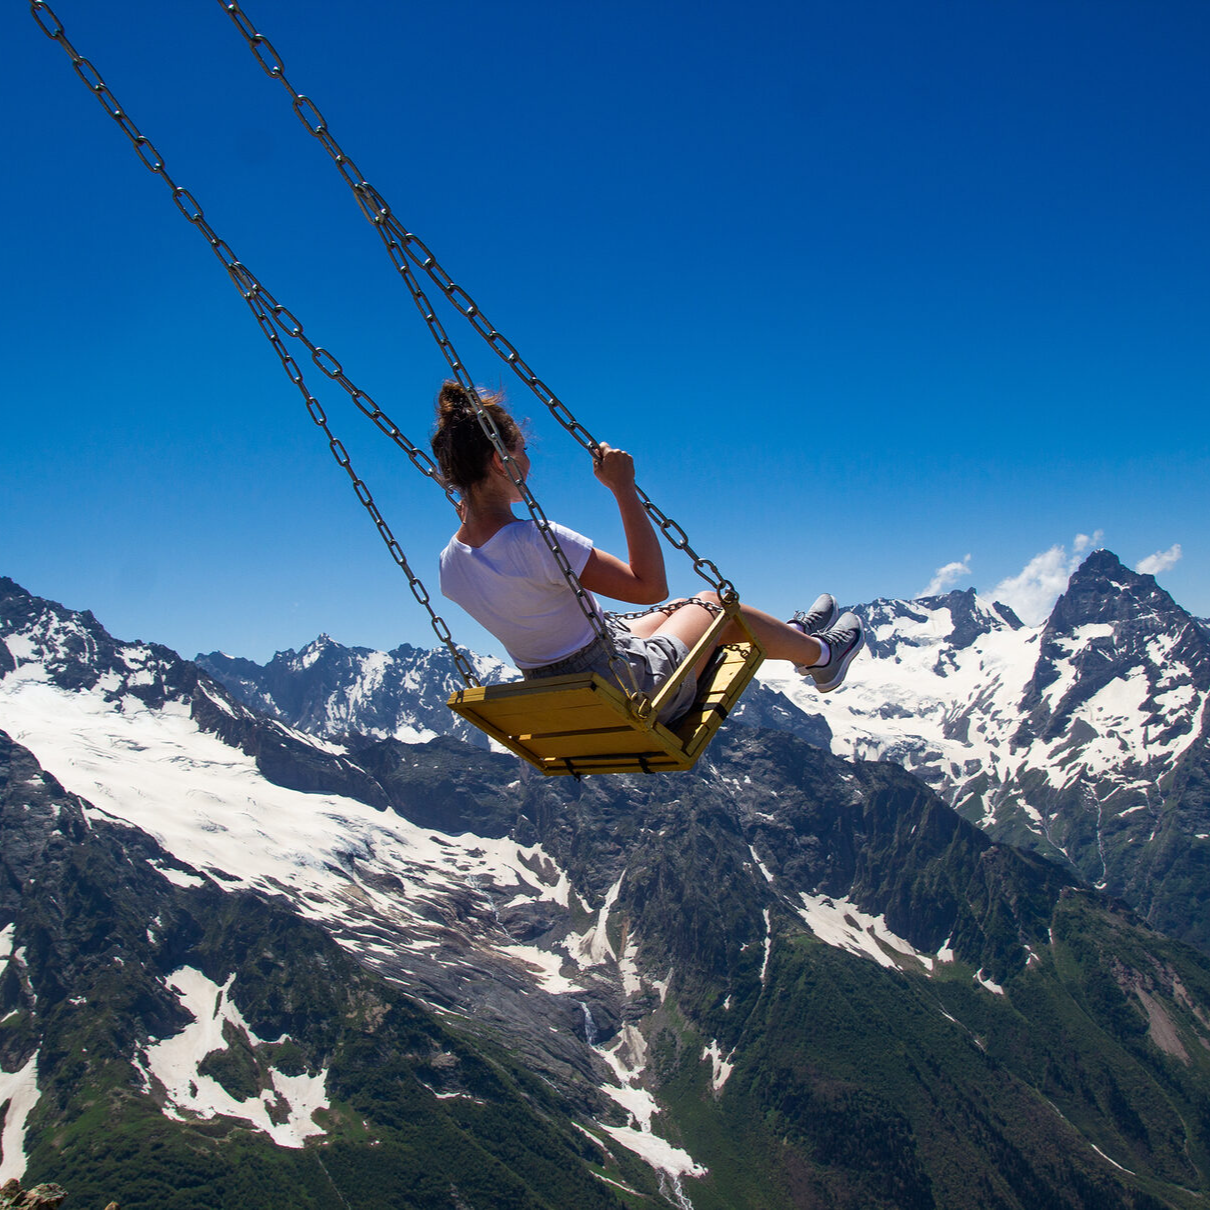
785 978
1085 739
333 691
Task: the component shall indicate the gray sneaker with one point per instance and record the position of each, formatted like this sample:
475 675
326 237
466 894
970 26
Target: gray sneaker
819 617
844 640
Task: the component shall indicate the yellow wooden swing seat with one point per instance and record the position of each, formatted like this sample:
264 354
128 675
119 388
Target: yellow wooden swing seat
581 723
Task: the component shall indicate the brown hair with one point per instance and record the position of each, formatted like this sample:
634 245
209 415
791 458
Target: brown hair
462 449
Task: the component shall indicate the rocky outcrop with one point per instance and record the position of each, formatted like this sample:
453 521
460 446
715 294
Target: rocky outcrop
45 1196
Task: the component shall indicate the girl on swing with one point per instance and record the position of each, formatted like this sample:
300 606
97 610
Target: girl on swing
498 568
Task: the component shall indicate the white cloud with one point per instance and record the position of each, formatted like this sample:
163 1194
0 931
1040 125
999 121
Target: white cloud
943 577
1152 565
1032 592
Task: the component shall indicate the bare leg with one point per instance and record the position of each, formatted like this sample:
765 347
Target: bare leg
780 640
649 623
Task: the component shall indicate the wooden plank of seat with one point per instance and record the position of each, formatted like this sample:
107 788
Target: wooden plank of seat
551 714
720 689
616 741
582 724
580 702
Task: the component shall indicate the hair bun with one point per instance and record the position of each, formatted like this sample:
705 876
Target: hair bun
463 450
453 400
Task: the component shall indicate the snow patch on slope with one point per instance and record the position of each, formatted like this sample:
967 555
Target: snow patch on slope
593 947
720 1068
20 1089
358 870
838 922
627 1056
285 1113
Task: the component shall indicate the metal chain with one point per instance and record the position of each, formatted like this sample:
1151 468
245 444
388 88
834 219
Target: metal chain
402 246
667 607
621 669
275 321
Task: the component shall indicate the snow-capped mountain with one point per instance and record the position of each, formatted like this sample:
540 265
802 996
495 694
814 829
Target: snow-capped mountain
290 967
1082 738
333 691
1086 738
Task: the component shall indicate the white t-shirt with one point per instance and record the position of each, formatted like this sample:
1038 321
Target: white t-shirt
512 586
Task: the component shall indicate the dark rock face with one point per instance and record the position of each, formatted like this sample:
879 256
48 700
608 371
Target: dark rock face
449 785
766 708
971 619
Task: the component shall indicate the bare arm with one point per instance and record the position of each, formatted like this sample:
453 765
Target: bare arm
640 580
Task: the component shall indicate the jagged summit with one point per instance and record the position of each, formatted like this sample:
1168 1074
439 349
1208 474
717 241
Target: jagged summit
1113 628
956 619
317 645
970 609
73 648
1104 590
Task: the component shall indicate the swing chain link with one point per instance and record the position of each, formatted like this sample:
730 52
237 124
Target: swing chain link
276 321
668 607
403 246
310 116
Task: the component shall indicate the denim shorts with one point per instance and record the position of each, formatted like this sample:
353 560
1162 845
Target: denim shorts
653 661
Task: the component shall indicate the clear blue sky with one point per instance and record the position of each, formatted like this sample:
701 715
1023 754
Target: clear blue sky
866 288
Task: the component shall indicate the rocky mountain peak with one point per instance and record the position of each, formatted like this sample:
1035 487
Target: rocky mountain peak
316 647
76 652
1103 590
1115 626
973 617
955 620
